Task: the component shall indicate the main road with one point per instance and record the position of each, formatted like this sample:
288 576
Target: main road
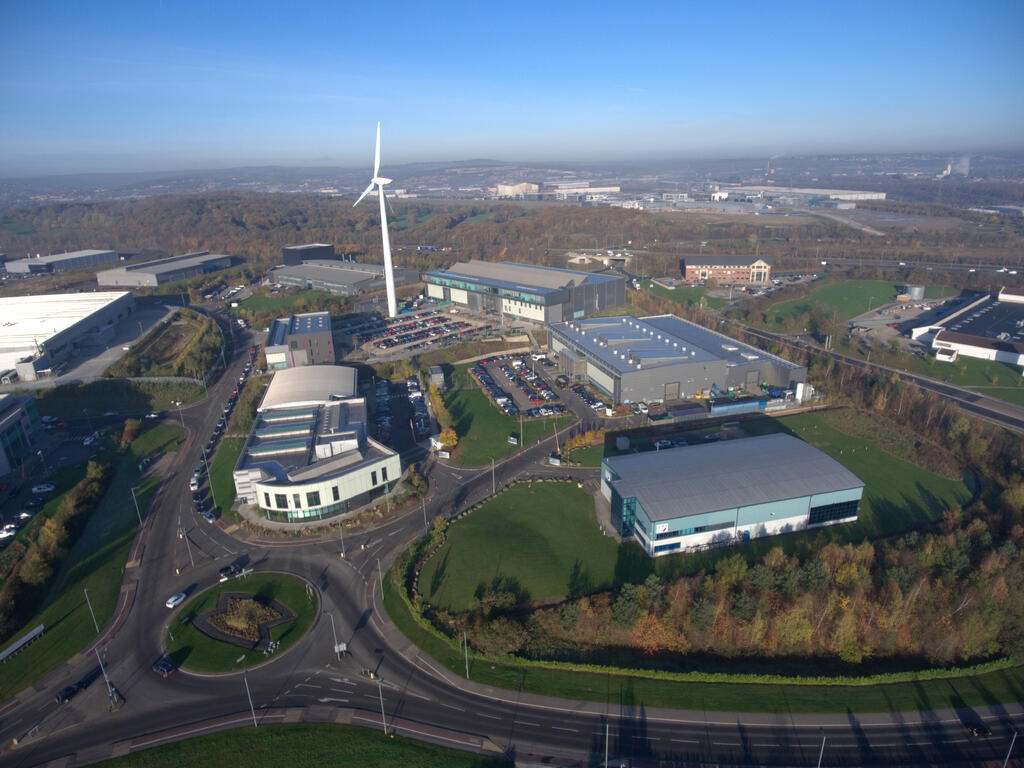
409 693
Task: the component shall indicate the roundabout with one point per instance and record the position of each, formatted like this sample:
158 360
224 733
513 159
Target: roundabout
242 623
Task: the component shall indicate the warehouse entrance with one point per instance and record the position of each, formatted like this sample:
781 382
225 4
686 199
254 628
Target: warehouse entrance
752 381
672 390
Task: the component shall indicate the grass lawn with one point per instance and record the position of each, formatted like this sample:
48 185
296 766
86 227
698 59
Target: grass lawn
588 455
307 745
283 302
483 430
161 347
126 397
848 299
221 480
161 438
1003 393
96 562
940 291
965 372
537 535
686 295
193 650
951 692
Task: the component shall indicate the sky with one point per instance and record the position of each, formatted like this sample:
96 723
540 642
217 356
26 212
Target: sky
146 85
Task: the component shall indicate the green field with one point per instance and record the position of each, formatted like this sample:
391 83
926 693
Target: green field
846 299
1015 396
282 303
193 650
161 438
221 480
77 401
483 430
155 354
689 295
306 745
588 455
96 562
534 533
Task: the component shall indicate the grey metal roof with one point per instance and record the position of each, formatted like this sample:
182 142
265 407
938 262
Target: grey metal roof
693 480
56 258
332 272
311 384
310 322
722 260
523 275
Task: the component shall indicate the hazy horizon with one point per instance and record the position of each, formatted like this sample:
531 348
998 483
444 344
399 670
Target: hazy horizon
115 87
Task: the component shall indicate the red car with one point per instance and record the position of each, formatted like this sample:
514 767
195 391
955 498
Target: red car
61 425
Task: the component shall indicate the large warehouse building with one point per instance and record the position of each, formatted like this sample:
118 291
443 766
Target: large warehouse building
300 340
341 278
38 333
308 455
726 270
60 262
659 358
543 294
296 254
161 271
718 494
987 327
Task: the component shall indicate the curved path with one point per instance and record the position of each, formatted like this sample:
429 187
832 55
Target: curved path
419 698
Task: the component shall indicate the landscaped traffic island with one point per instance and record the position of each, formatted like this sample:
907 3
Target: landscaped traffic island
241 623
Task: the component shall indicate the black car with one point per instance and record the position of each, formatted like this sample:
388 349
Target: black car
978 729
34 503
164 667
65 694
228 571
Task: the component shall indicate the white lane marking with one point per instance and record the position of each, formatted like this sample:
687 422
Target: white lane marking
490 717
306 685
451 706
687 741
769 744
523 722
418 696
559 728
726 743
327 699
395 532
340 690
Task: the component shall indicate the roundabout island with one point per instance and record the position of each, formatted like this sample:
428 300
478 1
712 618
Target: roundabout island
241 623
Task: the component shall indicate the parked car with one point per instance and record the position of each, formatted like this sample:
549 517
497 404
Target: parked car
175 600
228 571
44 488
65 694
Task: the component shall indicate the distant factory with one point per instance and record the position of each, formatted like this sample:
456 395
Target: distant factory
337 277
60 262
985 327
163 271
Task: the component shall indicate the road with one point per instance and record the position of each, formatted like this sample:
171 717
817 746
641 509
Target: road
419 698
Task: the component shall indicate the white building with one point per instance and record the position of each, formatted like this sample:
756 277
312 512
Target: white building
987 328
308 456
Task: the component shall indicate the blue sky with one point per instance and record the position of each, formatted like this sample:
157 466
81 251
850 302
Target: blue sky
144 85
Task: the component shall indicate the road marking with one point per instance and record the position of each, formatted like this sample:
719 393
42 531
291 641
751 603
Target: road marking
451 706
325 700
687 741
340 690
395 532
767 745
418 696
726 743
490 717
560 728
522 722
306 685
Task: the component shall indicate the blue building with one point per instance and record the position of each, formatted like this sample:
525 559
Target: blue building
728 492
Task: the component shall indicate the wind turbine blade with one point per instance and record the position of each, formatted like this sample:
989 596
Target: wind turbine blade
376 155
366 191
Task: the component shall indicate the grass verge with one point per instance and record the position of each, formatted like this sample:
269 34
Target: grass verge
221 479
126 397
307 745
686 295
193 650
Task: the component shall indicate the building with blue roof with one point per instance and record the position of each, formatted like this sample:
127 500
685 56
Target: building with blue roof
527 291
663 358
300 340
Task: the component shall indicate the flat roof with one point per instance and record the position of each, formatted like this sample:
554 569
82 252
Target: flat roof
307 245
336 272
990 321
29 320
59 257
627 344
707 259
169 264
522 276
309 385
694 480
310 322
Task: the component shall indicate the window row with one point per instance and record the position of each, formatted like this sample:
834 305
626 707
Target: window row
829 512
313 497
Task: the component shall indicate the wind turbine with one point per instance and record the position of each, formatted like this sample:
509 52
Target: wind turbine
379 182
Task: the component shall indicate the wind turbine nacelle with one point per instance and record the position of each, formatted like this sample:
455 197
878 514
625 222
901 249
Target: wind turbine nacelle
380 180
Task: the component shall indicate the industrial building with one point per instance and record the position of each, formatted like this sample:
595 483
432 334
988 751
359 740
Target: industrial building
986 327
543 294
296 254
308 455
61 262
39 333
341 278
663 358
19 430
161 271
727 269
728 492
300 340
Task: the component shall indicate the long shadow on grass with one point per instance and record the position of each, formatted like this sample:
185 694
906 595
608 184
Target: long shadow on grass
439 574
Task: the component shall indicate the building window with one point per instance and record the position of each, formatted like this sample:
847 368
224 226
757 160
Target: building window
313 499
373 477
829 512
383 474
335 494
280 501
297 500
266 499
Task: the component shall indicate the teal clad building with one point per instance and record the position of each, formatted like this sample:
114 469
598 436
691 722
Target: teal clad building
719 494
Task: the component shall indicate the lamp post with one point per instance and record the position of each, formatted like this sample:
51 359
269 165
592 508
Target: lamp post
137 512
245 677
383 719
89 603
335 633
209 477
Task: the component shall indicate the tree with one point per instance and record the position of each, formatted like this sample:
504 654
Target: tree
449 438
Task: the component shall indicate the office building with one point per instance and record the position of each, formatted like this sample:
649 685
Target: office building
308 456
727 269
161 271
728 492
19 430
662 358
300 340
296 254
542 294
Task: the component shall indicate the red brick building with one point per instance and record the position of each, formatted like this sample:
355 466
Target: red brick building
727 269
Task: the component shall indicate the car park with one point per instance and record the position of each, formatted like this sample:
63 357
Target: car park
175 600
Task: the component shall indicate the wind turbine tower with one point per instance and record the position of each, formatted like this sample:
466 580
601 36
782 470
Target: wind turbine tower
379 182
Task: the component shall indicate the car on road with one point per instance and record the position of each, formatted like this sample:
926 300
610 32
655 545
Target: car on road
153 415
175 600
661 444
44 488
193 484
89 440
164 667
34 503
48 419
111 413
978 729
228 571
210 516
65 693
61 425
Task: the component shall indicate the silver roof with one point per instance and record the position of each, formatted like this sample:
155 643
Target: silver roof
523 275
693 480
309 385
